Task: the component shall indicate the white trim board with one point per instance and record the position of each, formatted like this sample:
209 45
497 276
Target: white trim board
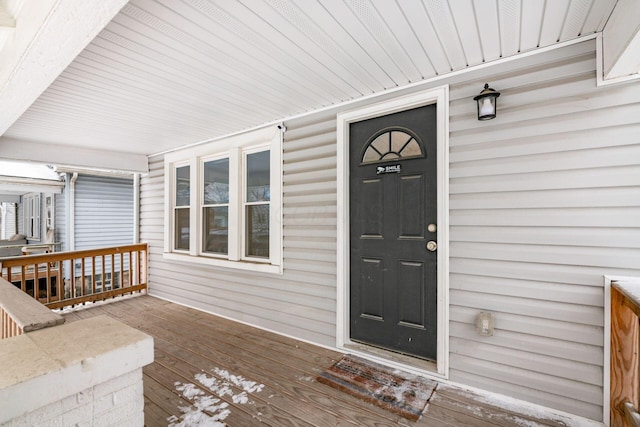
71 157
439 96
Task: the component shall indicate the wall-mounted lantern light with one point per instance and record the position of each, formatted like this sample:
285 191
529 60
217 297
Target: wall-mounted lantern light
487 103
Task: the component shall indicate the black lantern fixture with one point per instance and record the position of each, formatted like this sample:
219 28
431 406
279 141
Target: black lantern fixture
487 103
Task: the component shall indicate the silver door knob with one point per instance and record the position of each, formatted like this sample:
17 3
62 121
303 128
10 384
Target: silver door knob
432 246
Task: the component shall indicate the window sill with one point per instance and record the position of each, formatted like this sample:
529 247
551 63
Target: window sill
214 262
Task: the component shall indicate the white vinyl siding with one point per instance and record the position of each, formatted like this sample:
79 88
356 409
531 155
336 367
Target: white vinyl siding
103 211
544 201
301 301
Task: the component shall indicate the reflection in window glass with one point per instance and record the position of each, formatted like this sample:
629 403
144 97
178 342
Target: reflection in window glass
258 194
182 195
216 230
182 229
215 224
258 174
183 186
216 182
258 230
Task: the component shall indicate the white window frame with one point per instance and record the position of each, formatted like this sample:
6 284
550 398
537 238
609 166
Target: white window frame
243 203
201 205
32 216
49 203
190 206
235 148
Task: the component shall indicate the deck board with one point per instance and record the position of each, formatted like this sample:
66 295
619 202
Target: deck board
154 415
188 342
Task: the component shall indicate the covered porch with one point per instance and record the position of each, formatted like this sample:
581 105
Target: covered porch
272 377
531 215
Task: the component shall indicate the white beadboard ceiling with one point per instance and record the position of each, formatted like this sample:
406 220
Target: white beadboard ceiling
168 73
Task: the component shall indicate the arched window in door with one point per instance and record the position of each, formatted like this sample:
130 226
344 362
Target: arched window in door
392 144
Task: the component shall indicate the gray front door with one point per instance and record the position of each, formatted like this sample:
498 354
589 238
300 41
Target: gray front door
393 211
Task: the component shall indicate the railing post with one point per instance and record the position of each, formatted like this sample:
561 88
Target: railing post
625 334
19 313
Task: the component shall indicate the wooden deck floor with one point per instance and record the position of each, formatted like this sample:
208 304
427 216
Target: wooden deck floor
263 378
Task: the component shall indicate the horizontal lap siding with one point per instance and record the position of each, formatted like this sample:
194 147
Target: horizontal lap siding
103 211
60 222
544 201
302 301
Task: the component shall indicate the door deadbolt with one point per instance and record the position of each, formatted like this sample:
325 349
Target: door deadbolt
432 228
432 246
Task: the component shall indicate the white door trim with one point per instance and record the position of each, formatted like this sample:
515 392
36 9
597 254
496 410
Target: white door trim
439 96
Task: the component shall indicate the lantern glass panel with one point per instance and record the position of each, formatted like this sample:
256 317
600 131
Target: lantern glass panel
487 106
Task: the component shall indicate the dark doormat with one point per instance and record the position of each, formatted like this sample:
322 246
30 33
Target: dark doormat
399 392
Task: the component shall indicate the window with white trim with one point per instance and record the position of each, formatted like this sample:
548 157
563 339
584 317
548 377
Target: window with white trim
223 202
32 224
181 207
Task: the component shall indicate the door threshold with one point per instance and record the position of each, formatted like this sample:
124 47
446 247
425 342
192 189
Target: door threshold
397 360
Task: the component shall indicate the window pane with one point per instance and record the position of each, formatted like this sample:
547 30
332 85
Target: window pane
182 229
216 230
381 143
182 186
258 231
370 155
258 172
412 149
399 140
216 182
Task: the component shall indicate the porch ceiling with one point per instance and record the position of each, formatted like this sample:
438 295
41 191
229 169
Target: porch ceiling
168 73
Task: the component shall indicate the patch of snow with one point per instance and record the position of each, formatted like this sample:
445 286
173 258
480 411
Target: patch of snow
488 416
197 418
207 410
241 398
528 423
198 414
189 390
526 409
516 406
27 170
239 381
